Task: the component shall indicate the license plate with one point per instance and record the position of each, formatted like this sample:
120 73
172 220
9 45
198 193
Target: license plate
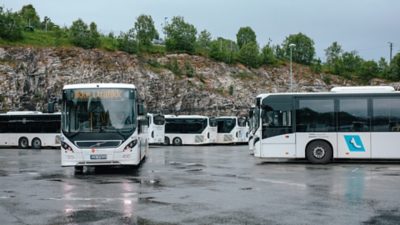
98 157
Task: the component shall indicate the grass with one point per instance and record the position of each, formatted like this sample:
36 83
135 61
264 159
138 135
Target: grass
40 39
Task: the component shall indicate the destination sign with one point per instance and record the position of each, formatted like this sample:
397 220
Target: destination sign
102 94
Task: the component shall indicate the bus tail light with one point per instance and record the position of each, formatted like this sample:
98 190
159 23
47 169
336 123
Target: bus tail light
131 145
66 147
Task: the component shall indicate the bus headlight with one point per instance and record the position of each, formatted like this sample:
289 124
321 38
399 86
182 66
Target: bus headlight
66 147
131 145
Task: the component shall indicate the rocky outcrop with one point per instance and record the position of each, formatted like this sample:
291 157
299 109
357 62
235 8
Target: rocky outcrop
175 83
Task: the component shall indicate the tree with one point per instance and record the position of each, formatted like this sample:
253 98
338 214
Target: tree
368 70
304 50
224 50
333 53
180 36
249 54
245 35
30 17
127 42
94 35
203 43
333 58
10 26
351 62
383 67
394 69
47 24
84 37
145 30
267 55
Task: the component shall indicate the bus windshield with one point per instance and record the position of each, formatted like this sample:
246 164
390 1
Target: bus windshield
226 125
242 121
159 120
213 122
93 111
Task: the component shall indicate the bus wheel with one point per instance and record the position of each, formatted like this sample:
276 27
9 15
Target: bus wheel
177 141
319 152
166 141
78 169
23 142
36 143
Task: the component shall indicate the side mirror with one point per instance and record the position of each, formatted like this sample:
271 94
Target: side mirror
50 107
141 109
251 113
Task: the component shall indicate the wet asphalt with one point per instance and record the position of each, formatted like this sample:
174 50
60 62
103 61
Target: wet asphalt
197 185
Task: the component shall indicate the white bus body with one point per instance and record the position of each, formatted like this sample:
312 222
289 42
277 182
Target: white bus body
30 129
324 126
156 128
213 129
232 130
187 130
102 124
252 125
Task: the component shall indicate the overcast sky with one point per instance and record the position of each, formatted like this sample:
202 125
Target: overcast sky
362 25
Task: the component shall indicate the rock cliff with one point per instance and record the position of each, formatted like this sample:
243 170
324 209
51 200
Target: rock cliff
175 83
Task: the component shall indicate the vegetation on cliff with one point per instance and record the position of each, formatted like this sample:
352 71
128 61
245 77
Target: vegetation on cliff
26 28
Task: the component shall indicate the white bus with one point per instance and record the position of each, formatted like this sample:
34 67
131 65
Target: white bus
102 124
351 122
213 129
187 130
156 128
232 130
252 124
30 129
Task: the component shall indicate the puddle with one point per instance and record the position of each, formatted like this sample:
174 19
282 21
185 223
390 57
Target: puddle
391 174
385 217
246 188
194 170
3 173
85 216
151 200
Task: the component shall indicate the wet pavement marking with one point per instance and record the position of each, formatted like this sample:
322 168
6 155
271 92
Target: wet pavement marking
300 185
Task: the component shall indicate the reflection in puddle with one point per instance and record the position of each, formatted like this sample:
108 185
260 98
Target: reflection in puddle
355 185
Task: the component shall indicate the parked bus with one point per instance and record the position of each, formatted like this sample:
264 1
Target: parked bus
156 128
30 129
348 122
102 124
232 130
252 125
213 130
187 130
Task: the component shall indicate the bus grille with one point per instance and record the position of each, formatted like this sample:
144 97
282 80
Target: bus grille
98 144
228 137
199 139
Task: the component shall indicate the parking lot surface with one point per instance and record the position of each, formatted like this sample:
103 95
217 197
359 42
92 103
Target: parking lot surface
197 185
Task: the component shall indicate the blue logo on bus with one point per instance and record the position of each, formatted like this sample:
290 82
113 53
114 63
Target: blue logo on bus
354 143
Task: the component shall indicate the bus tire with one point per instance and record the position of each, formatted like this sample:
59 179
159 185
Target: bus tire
23 143
78 169
177 141
166 141
36 143
319 152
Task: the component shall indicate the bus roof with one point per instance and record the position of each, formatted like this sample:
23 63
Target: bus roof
19 113
340 91
226 117
98 85
185 117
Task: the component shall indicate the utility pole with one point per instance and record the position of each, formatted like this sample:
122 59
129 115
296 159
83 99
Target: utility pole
391 50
